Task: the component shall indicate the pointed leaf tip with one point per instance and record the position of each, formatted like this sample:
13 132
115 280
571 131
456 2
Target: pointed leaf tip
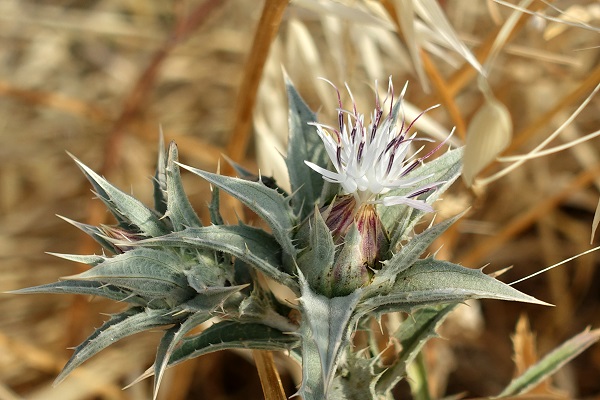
304 144
127 323
270 205
430 281
179 210
126 209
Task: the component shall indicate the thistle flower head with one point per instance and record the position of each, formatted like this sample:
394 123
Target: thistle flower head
372 159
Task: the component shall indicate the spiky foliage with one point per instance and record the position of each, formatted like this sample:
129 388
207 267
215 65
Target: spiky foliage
177 273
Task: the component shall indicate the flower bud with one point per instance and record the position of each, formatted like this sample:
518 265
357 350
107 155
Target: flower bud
350 271
344 245
374 239
339 216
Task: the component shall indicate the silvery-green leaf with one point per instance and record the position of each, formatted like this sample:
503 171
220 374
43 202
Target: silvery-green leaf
252 245
313 386
247 175
255 306
214 207
160 178
316 262
204 271
267 203
430 282
94 232
127 210
551 363
153 274
413 333
260 303
119 326
328 322
358 379
91 259
162 355
179 209
408 254
233 335
210 298
226 335
92 288
203 306
304 144
400 220
242 172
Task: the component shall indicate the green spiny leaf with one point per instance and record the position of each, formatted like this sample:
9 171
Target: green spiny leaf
206 272
304 144
162 355
152 274
267 203
210 298
125 324
214 207
413 333
316 262
228 335
127 210
430 282
160 178
92 259
85 287
329 321
233 335
252 245
386 276
247 175
93 231
357 380
313 385
179 209
203 306
216 218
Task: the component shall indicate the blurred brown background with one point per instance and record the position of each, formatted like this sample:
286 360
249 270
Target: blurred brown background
98 78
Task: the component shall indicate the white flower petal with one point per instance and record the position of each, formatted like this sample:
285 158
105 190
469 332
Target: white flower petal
372 159
332 176
418 204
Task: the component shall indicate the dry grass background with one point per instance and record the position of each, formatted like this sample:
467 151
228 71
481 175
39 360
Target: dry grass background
97 78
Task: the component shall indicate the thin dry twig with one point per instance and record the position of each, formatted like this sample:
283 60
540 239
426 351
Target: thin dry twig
448 101
586 86
266 31
269 377
481 250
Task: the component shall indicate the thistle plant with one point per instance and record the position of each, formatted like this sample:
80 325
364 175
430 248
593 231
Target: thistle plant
342 241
